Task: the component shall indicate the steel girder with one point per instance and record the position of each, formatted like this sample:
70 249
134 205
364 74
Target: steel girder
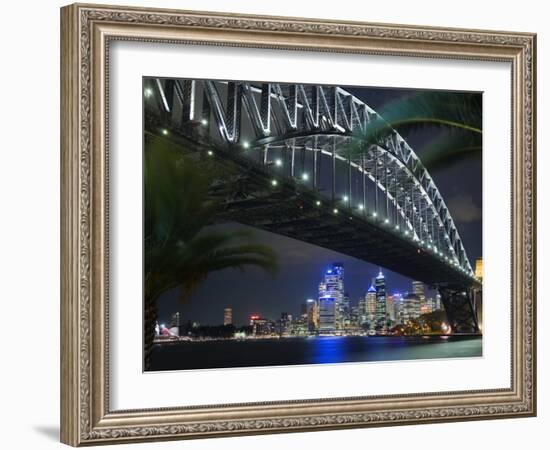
310 126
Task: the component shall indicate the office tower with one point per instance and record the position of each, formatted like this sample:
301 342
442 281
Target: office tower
397 308
327 314
380 286
370 305
261 326
285 321
228 316
344 311
390 308
418 290
410 307
333 286
312 315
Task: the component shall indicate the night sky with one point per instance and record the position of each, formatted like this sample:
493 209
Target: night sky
302 265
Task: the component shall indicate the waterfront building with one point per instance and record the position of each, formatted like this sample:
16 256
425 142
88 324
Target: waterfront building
380 286
228 316
284 323
327 314
261 326
398 307
312 315
410 307
419 291
370 306
390 308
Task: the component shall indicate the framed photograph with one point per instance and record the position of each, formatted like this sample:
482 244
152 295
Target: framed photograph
277 224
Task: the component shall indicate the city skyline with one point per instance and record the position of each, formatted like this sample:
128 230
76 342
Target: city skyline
227 312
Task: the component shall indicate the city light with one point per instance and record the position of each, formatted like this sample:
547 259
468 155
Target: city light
274 182
204 122
278 162
374 214
246 144
386 220
318 203
164 131
361 207
305 176
335 211
210 152
345 198
148 92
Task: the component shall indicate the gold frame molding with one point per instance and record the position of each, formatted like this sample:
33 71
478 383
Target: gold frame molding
86 31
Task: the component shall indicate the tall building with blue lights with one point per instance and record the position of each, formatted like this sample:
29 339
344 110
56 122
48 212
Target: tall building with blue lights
380 286
333 286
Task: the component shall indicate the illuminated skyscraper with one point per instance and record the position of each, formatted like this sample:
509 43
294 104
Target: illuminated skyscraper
227 316
370 305
312 315
333 286
418 290
380 286
397 307
410 307
327 314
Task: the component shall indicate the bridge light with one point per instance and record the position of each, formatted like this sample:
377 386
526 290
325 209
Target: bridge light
274 182
246 144
210 153
278 162
305 176
164 131
148 92
345 198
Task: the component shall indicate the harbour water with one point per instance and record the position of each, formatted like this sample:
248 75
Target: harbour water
316 350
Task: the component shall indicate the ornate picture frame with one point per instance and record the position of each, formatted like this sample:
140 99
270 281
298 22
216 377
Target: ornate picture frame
86 34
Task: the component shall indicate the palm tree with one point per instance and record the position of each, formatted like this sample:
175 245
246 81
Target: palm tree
455 117
179 252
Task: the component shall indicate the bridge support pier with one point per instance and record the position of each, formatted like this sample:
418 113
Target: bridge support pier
460 309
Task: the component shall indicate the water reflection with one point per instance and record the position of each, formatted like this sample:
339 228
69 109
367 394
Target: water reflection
320 350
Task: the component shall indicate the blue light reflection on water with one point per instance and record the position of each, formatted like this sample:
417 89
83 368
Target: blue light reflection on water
341 349
319 350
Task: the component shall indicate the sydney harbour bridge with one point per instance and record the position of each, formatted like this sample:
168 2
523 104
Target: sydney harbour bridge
304 173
